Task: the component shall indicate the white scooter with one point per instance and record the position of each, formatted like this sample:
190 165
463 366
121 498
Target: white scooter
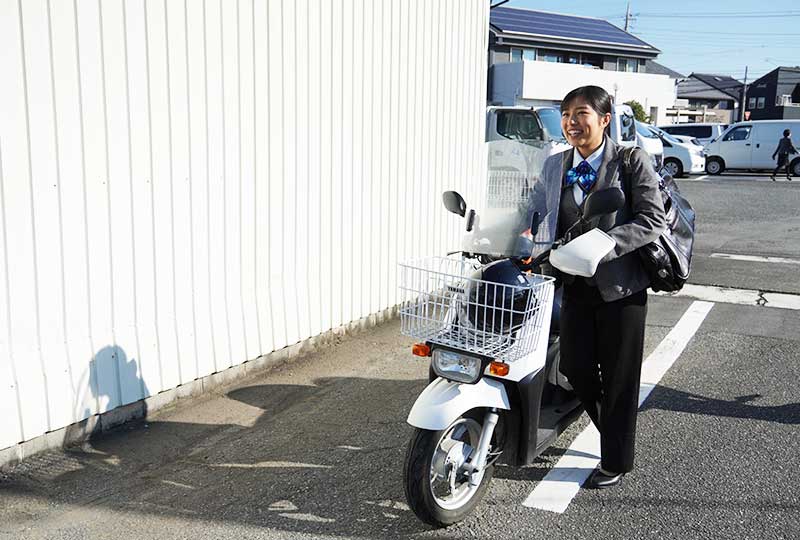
485 321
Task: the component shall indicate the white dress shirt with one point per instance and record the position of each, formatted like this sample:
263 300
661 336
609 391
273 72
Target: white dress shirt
594 162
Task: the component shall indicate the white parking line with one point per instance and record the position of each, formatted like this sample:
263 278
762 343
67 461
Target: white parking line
753 258
559 487
745 297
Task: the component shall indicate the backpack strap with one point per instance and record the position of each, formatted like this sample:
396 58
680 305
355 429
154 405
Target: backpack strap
627 154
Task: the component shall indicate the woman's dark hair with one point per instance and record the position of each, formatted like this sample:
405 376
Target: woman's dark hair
787 132
594 96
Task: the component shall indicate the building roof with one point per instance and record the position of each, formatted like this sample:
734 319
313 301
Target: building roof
564 29
658 69
782 71
729 87
709 86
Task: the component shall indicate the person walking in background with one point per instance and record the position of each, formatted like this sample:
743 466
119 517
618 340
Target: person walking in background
785 147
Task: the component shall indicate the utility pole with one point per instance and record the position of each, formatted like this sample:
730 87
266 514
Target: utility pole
627 16
744 95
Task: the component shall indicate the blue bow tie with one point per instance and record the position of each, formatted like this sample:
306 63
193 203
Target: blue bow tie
583 174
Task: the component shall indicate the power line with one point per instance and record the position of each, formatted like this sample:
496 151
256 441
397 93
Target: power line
735 14
706 32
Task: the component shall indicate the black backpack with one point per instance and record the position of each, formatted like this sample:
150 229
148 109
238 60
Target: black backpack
667 261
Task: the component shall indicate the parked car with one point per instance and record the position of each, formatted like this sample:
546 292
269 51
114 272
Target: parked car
686 139
680 158
650 142
750 145
704 133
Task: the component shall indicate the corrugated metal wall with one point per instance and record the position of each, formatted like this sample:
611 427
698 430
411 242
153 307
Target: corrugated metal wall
189 184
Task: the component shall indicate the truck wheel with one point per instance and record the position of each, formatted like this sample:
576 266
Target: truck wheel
674 167
714 165
795 167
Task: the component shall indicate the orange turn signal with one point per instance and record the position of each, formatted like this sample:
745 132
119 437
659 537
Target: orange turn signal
420 349
499 369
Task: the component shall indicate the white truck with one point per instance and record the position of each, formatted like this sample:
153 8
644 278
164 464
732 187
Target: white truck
532 133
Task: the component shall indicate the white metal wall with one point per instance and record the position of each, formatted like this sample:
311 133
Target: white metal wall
189 184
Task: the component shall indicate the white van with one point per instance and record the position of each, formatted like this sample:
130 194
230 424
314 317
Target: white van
750 145
703 132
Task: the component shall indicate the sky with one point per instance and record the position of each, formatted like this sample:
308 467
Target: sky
713 36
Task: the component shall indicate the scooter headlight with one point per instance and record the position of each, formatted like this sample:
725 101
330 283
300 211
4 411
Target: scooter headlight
456 366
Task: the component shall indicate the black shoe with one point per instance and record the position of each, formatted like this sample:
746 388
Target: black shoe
601 480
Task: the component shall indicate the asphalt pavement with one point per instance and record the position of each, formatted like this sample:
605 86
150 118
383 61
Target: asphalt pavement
315 449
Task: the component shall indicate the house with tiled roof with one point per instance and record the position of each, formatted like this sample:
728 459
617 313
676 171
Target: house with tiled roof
536 57
710 97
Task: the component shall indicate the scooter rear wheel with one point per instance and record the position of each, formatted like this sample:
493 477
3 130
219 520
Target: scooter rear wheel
435 480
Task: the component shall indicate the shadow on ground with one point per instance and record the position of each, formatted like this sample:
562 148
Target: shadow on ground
320 459
745 407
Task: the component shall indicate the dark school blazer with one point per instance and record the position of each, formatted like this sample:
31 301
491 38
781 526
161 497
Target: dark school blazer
640 221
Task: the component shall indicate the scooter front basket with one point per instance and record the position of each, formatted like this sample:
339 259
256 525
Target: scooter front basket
444 303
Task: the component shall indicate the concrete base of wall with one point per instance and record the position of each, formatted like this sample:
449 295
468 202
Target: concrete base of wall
84 430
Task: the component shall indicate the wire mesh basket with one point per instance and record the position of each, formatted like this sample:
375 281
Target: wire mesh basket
444 304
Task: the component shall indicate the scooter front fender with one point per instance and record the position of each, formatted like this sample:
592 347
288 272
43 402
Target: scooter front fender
443 401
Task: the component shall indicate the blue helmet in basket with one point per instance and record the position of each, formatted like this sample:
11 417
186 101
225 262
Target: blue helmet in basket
496 299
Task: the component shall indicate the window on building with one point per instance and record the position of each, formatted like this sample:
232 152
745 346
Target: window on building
518 55
551 56
592 60
751 103
630 65
564 57
760 104
738 134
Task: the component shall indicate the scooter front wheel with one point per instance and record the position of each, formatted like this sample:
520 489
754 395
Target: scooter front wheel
436 477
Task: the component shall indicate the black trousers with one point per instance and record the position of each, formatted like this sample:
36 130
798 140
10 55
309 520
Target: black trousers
783 161
601 354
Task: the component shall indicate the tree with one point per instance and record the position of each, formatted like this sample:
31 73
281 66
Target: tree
638 111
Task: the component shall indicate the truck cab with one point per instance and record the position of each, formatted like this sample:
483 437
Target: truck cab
532 135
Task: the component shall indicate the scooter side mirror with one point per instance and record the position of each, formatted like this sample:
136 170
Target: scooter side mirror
454 203
604 201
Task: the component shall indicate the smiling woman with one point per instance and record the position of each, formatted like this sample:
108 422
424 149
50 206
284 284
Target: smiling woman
585 115
603 317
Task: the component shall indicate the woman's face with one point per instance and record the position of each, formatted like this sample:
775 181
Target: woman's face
582 126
